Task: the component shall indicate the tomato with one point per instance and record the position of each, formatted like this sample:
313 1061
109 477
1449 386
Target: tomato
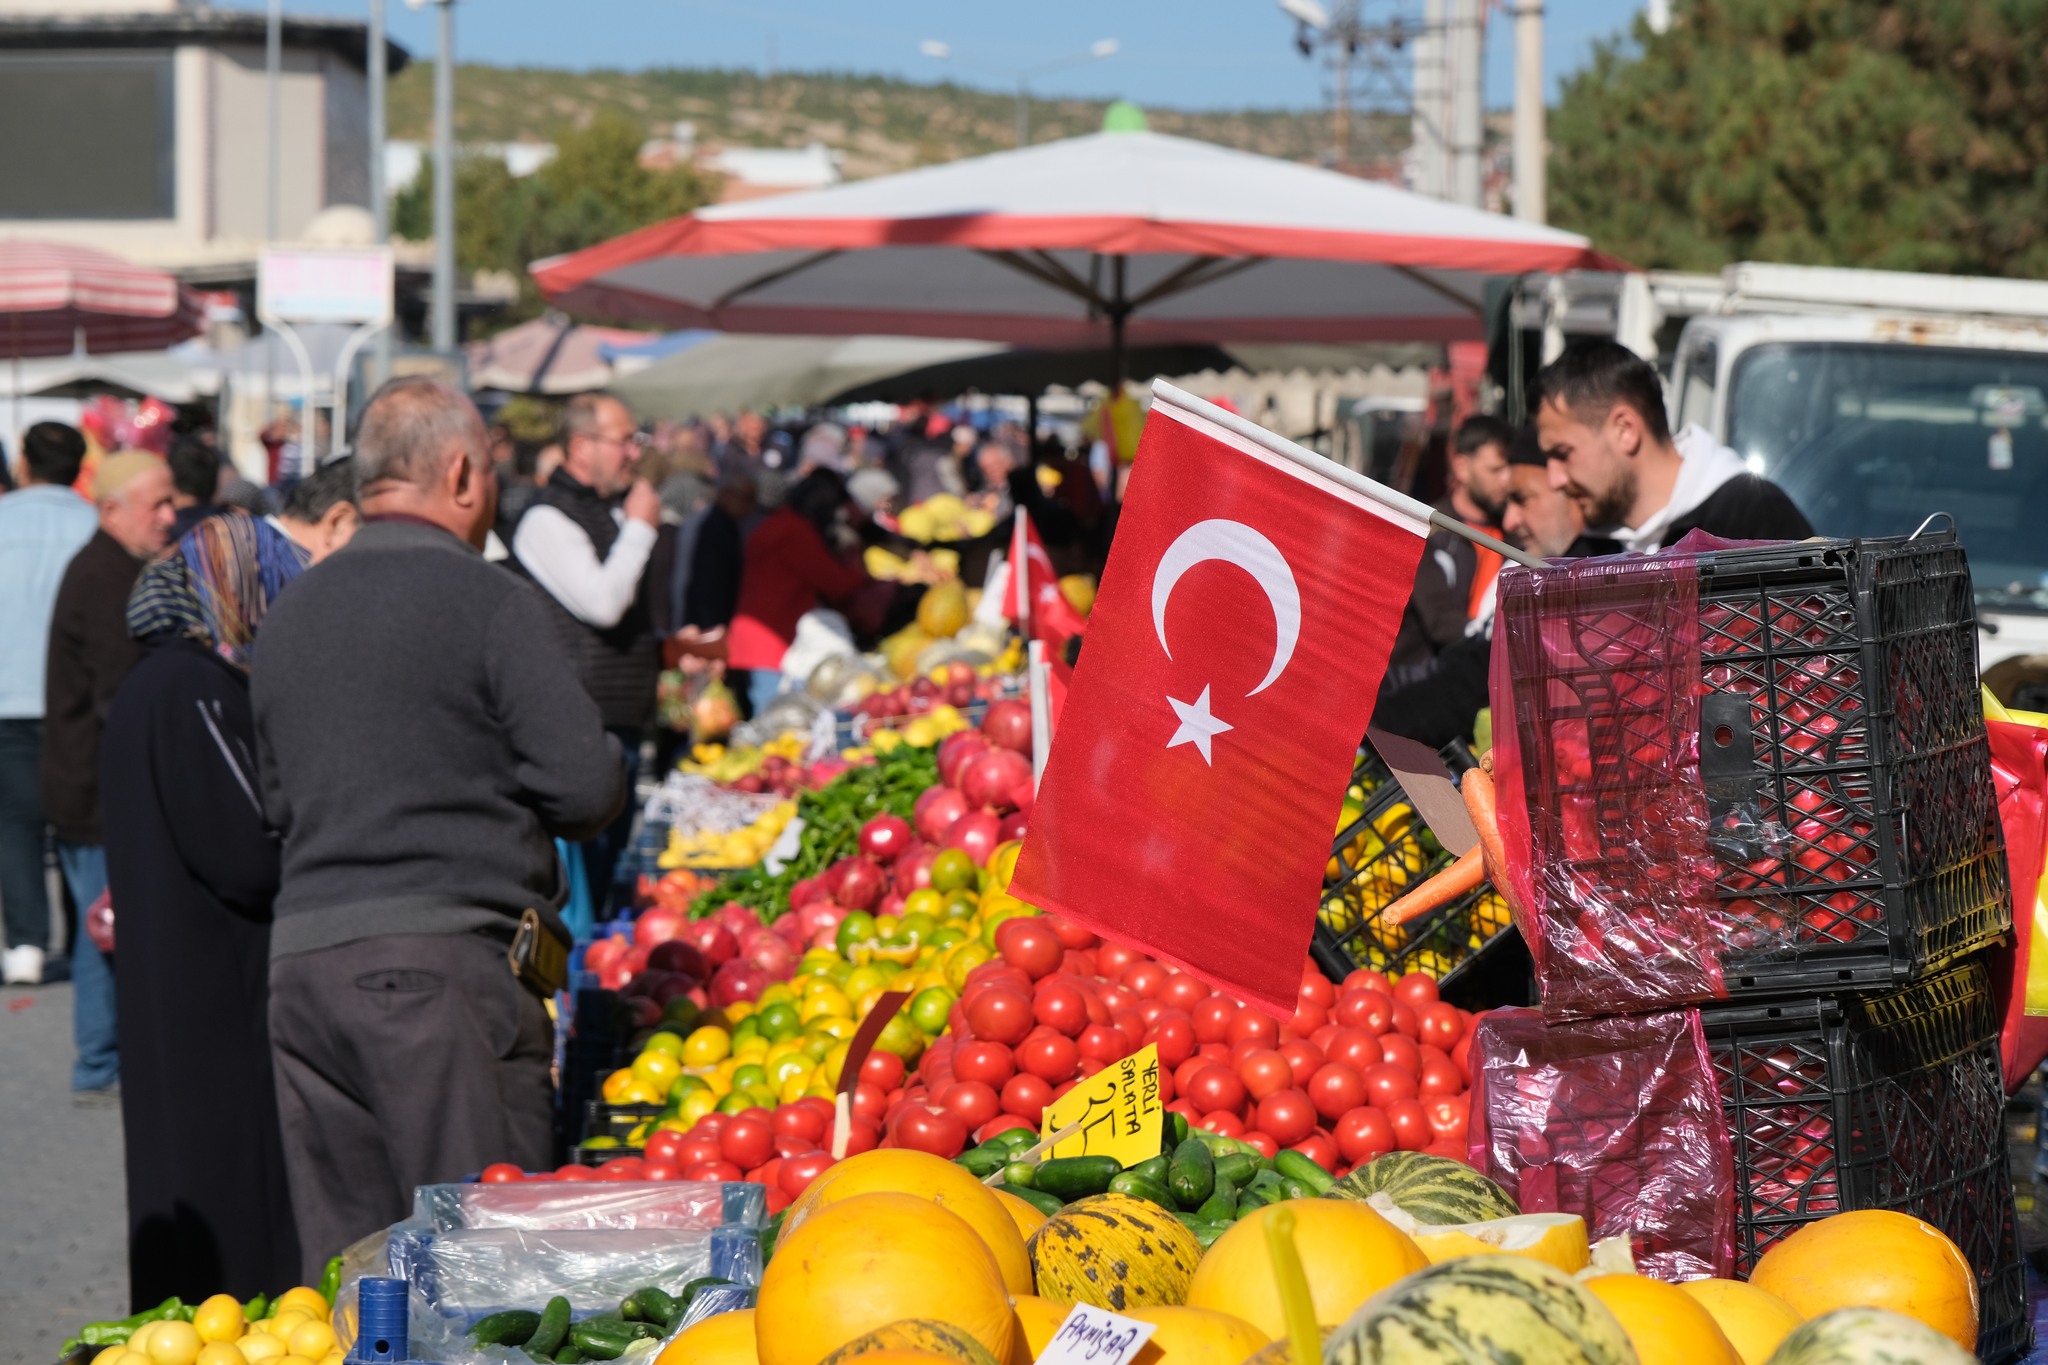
1061 1005
574 1171
1322 1036
1223 1121
1149 1011
1253 1026
1317 987
1368 1010
989 1063
661 1170
766 1175
713 1170
1030 946
1216 1088
1183 992
1286 1116
793 1144
1264 1071
1366 979
711 1125
1112 958
1461 1055
1416 989
1319 1148
1267 1147
747 1142
1309 1015
1411 1127
1304 1059
796 1120
1003 1123
1442 1025
1406 1022
1448 1115
799 1171
1363 1134
1026 1096
1355 1048
862 1135
883 1070
505 1173
1105 1043
1185 1072
1440 1077
1144 979
1050 1059
1174 1032
1397 1050
777 1201
1336 1090
1115 998
1215 1052
1130 1024
999 1015
1212 1018
869 1101
1071 935
1386 1082
918 1128
697 1146
972 1102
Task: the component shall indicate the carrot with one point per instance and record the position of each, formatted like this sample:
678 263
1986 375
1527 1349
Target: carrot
1466 874
1480 804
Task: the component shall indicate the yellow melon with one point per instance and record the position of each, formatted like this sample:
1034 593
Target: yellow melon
1195 1336
1027 1217
897 1170
1874 1258
1348 1252
871 1260
1754 1320
1037 1320
722 1339
1664 1324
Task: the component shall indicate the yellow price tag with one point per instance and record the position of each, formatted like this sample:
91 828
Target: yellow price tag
1118 1108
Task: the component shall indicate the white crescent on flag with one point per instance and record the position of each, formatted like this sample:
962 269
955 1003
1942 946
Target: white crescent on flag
1233 542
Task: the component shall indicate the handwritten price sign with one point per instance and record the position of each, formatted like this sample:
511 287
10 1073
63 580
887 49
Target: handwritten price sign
1095 1336
1118 1108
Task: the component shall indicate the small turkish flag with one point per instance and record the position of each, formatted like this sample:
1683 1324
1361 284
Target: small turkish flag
1230 666
1033 598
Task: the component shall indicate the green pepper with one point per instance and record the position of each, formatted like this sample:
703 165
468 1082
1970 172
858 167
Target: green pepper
330 1280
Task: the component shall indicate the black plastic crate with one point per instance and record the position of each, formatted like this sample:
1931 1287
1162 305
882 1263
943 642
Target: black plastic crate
1839 768
615 1121
1379 855
1890 1101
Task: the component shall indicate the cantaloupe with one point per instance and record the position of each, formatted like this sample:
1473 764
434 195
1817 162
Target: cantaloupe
1348 1252
1029 1218
721 1339
1875 1258
1754 1320
898 1170
1037 1320
1666 1325
1195 1336
1112 1251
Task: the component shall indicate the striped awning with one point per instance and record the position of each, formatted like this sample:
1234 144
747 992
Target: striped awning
52 292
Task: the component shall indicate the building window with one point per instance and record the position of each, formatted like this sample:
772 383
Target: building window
86 136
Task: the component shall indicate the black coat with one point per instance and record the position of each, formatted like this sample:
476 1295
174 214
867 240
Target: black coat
192 872
91 651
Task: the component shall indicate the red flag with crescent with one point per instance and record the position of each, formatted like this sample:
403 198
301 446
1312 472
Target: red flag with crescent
1032 596
1232 658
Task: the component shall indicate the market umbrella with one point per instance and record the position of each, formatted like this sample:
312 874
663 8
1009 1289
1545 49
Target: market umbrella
1108 240
1031 372
777 371
548 355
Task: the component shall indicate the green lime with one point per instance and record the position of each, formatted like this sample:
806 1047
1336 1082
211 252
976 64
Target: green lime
858 927
685 1086
749 1027
664 1041
762 1095
923 901
737 1102
865 978
999 915
948 936
962 904
929 1009
901 1037
916 928
951 870
748 1073
817 1045
680 1015
779 1021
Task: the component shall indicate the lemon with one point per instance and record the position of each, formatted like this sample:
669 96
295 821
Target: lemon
313 1340
173 1343
656 1067
284 1324
220 1353
218 1319
107 1355
293 1360
707 1046
130 1356
260 1346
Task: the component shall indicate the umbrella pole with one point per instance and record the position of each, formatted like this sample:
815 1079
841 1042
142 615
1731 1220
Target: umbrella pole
1119 310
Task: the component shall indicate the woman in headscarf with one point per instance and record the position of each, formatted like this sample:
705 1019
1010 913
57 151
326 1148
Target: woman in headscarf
192 872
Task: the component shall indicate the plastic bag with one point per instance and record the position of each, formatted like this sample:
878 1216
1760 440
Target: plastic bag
1616 1120
2019 973
546 1205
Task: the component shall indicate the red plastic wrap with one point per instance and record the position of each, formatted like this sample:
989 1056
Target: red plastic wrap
1616 1120
1595 692
2019 767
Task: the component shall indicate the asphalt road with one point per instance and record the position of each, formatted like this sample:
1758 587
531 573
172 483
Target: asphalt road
63 1200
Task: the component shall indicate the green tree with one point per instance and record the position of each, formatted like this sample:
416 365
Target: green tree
595 188
1906 135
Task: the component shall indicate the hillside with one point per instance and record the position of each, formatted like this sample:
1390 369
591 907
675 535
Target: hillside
880 124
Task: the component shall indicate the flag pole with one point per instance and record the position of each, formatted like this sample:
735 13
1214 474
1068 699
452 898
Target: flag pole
1020 573
1036 677
1335 473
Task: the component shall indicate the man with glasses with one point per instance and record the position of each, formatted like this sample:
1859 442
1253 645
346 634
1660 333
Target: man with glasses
586 540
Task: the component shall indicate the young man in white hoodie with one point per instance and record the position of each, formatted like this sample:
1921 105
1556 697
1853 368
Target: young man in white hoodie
1600 418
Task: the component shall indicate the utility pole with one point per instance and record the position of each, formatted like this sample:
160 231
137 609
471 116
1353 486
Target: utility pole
1429 121
1529 137
380 200
1468 108
444 185
273 64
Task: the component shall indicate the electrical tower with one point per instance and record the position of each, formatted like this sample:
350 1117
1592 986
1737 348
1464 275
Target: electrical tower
1364 49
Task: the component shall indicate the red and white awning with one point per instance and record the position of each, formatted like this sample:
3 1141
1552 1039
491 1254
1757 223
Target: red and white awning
51 292
1047 246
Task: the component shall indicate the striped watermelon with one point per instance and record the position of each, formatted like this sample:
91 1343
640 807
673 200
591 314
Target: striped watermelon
1867 1336
1430 1189
1482 1308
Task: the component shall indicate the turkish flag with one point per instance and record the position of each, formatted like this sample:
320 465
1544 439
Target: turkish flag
1033 598
1246 614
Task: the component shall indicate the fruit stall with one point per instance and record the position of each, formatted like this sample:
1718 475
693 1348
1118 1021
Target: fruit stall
831 1091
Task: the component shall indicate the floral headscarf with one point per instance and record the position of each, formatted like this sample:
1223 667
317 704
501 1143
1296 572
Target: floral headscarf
214 586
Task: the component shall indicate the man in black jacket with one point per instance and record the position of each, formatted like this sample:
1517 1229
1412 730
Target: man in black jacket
1600 417
422 740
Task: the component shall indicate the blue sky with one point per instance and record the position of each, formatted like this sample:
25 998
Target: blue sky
1174 53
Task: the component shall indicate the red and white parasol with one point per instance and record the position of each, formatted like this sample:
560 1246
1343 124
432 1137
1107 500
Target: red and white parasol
52 293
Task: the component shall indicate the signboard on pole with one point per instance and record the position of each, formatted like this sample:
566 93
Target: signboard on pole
325 284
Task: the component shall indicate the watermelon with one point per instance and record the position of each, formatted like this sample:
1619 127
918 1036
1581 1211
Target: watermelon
1430 1189
1479 1308
1867 1336
1112 1251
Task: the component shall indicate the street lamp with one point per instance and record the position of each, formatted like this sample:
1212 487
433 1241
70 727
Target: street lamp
1023 76
443 310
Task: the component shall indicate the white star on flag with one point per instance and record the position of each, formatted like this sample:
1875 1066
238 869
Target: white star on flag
1197 726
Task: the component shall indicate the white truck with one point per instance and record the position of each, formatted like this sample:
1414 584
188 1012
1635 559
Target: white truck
1874 398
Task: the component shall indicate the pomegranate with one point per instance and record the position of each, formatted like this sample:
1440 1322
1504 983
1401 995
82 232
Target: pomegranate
954 752
974 834
1008 726
992 778
885 837
861 884
940 812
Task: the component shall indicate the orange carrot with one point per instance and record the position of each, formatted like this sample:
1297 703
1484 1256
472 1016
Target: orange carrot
1466 874
1480 804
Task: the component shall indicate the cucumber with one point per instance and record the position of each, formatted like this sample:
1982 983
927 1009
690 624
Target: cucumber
984 1160
553 1329
1220 1207
1251 1201
1291 1188
1192 1174
600 1339
1142 1187
1236 1170
1297 1166
1205 1231
1021 1175
513 1327
1076 1177
1015 1140
1266 1179
567 1354
1151 1168
1176 1129
651 1304
1047 1204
